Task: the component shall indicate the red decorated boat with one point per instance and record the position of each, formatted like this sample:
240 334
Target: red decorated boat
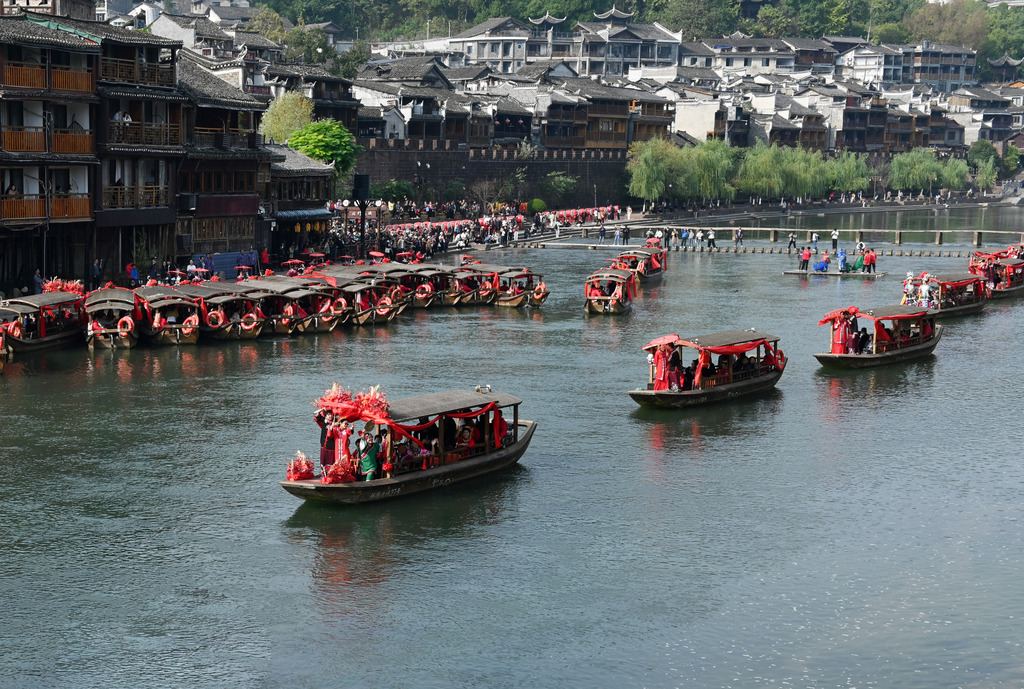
43 321
1002 272
748 362
167 316
610 291
647 263
893 334
228 311
946 294
112 318
416 443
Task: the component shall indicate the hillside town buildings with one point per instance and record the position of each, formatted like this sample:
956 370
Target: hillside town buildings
115 138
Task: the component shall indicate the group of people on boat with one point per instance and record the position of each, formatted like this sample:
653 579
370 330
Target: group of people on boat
670 374
848 337
864 262
347 455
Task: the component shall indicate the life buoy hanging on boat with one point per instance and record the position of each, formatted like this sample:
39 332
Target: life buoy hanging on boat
125 326
780 360
383 306
538 291
289 311
190 324
249 321
215 319
396 293
338 306
15 329
423 291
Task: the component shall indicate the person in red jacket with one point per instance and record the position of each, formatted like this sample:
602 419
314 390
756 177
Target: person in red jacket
805 258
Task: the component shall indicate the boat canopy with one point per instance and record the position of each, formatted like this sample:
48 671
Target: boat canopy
413 408
116 298
40 301
954 280
164 296
612 275
881 313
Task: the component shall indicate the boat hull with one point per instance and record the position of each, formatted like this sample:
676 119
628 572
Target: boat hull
111 339
605 307
894 356
729 392
1016 291
835 274
514 301
234 331
172 336
68 338
536 299
414 481
962 310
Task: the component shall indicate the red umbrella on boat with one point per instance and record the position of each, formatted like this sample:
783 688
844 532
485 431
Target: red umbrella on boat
317 255
243 267
663 340
376 254
294 262
176 272
200 270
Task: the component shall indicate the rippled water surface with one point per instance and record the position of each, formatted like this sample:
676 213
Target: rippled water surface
846 530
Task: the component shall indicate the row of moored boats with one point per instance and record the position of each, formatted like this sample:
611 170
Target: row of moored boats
317 300
611 290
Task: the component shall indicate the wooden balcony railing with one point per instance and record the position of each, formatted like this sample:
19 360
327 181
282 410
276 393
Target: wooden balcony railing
31 207
212 137
72 141
149 133
24 139
132 72
24 74
69 79
70 206
147 196
205 137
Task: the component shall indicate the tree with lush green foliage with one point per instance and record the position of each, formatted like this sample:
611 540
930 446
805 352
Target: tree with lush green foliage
328 141
652 165
961 22
286 115
713 163
981 151
773 22
393 190
556 185
1011 161
697 19
760 173
916 169
985 177
954 173
347 64
848 172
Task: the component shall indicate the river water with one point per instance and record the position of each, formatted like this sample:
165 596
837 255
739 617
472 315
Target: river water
847 530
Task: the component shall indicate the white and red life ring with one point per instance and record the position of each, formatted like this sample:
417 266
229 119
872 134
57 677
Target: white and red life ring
15 329
383 306
215 318
249 321
190 324
338 306
125 326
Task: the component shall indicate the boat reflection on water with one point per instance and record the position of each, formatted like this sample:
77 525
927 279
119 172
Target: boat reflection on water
361 549
837 389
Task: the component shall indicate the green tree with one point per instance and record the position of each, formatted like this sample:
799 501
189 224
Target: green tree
651 166
760 173
308 45
917 169
393 190
961 22
985 177
954 173
269 23
697 19
286 115
330 142
773 22
348 63
981 151
848 172
556 185
1011 161
890 32
713 165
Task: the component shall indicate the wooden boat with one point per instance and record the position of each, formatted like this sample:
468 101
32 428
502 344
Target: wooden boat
609 291
240 316
314 298
480 281
445 463
897 333
521 287
168 317
947 294
111 314
370 304
646 263
1003 276
749 362
44 321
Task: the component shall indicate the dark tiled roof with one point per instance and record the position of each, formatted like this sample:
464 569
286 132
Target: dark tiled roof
203 27
594 91
209 90
140 92
252 39
17 29
535 70
104 32
233 13
492 25
292 162
469 73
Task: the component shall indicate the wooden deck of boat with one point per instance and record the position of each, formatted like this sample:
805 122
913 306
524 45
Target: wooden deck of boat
834 274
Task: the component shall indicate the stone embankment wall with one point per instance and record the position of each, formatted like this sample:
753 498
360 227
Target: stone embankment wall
600 174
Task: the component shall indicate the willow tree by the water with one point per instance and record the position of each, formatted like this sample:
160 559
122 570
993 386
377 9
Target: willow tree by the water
760 173
849 172
654 167
916 169
711 166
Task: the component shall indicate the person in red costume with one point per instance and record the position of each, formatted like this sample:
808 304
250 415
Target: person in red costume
661 368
